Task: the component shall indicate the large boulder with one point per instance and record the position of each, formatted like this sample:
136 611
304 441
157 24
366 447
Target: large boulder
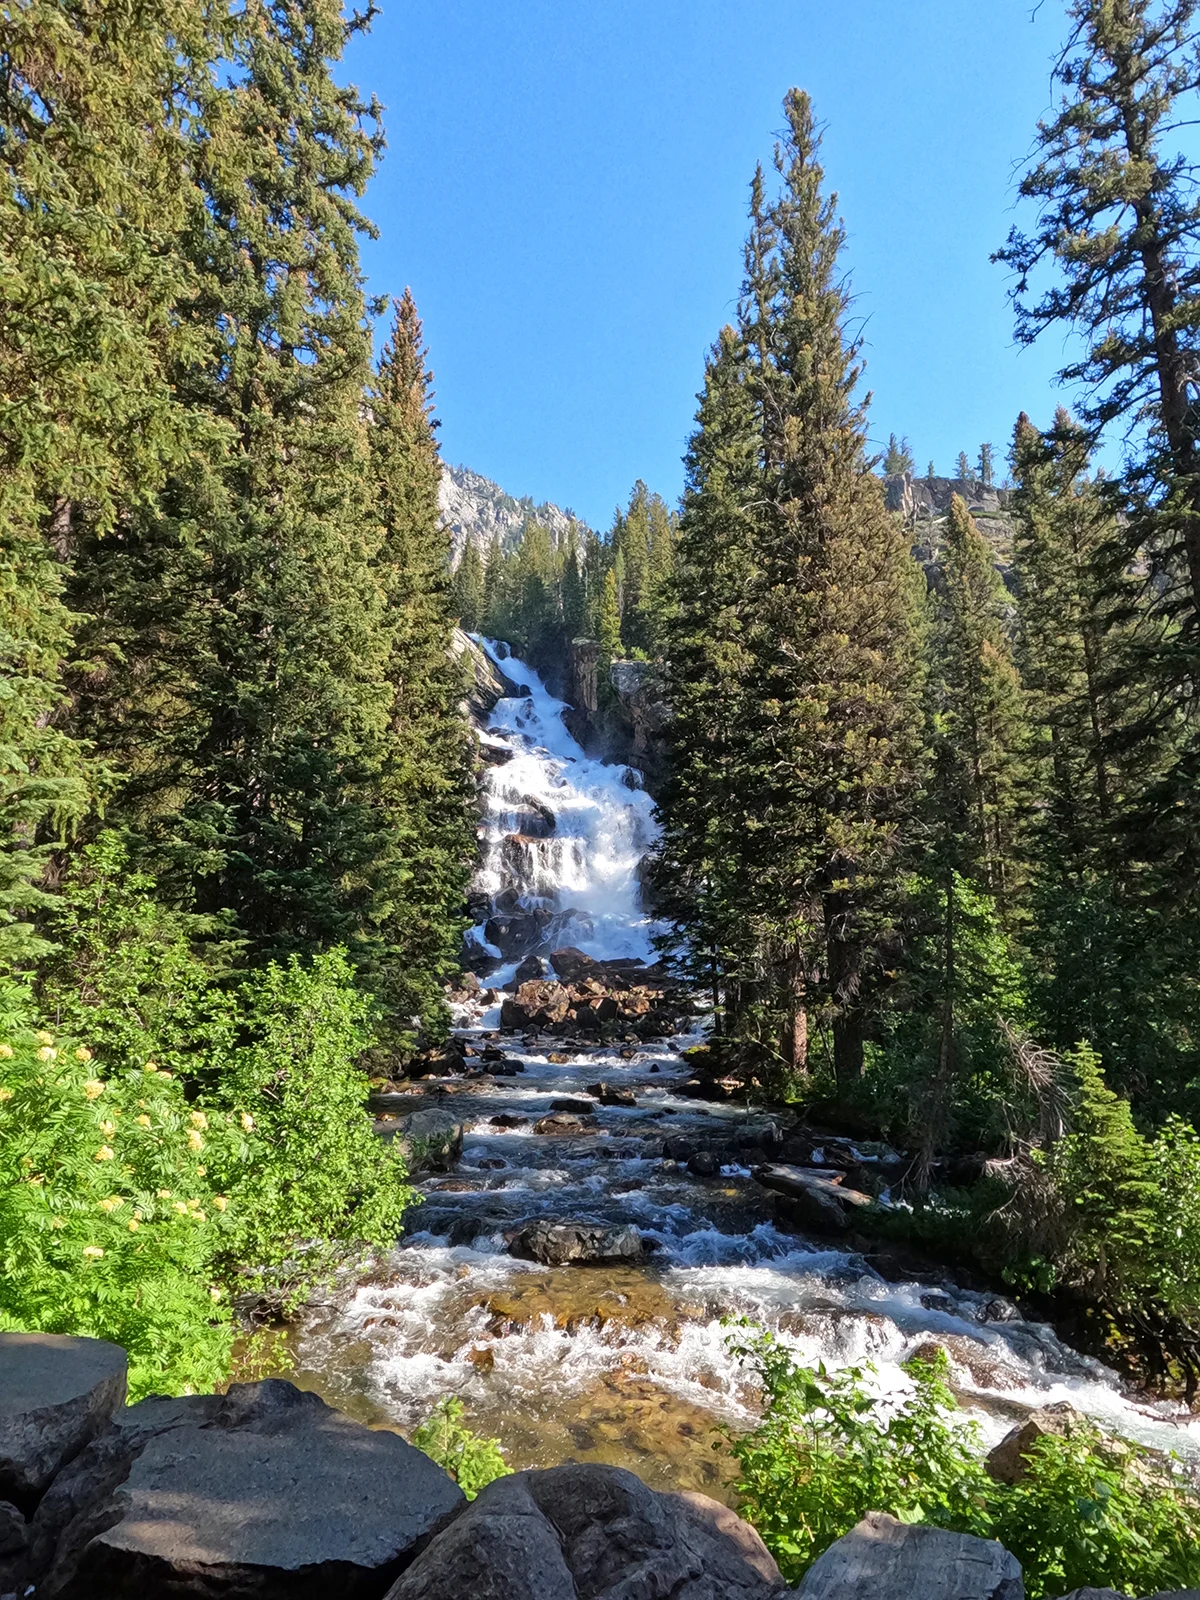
265 1492
583 1532
56 1393
557 1244
540 1003
1008 1461
571 965
882 1559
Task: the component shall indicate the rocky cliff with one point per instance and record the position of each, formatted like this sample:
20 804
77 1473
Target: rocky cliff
476 509
925 502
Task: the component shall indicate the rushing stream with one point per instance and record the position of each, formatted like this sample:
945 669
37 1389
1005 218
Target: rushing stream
628 1364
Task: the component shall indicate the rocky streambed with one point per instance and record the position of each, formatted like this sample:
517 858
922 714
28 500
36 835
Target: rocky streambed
595 1225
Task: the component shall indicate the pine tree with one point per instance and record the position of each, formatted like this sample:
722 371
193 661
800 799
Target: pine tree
1108 965
982 709
609 623
898 457
574 595
467 589
706 803
930 474
962 468
495 618
829 726
987 466
94 185
424 789
239 618
1118 218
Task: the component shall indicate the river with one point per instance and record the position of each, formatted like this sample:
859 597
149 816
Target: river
628 1363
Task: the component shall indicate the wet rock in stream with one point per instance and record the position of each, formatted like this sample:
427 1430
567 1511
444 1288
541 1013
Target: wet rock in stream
556 1244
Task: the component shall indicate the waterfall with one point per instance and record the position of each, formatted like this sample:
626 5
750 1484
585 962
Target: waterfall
562 838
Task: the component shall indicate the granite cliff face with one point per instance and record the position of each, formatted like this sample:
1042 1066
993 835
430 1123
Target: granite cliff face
925 502
476 509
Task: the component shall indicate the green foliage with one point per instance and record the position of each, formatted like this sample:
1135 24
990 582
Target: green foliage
314 1180
827 1451
471 1460
111 1213
1089 1512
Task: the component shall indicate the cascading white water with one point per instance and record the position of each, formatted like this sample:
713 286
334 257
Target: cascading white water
562 835
630 1364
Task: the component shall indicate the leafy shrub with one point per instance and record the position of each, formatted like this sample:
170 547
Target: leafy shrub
826 1452
110 1223
472 1461
1090 1511
313 1178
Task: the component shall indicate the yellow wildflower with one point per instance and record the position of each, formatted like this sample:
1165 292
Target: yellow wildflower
219 1202
58 1222
93 1088
247 1122
164 1194
181 1208
108 1129
104 1153
46 1053
195 1142
93 1252
201 1172
83 1053
199 1120
151 1066
43 1037
214 1294
200 1216
6 1051
134 1224
142 1121
111 1204
5 1094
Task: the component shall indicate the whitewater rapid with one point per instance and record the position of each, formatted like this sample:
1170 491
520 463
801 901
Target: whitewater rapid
630 1364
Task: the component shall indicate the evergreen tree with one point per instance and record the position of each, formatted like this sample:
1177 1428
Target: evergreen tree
987 466
982 708
609 623
240 618
467 589
424 789
829 727
706 806
574 595
94 186
1108 965
930 474
1119 219
495 619
898 457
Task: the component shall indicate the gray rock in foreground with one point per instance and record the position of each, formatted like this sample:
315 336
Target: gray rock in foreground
268 1494
882 1559
591 1533
56 1393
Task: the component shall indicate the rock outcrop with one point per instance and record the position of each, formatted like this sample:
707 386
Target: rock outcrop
56 1394
882 1559
591 1533
261 1493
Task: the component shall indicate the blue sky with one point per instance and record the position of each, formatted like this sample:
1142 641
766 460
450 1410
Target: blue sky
565 190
